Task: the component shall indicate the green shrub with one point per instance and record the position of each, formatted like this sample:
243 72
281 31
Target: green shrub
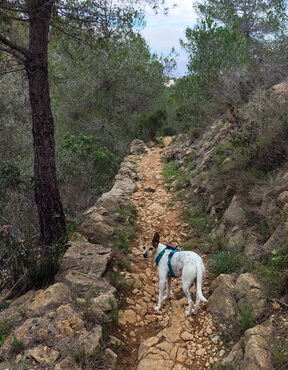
273 270
86 169
198 219
17 345
25 265
170 172
150 123
109 321
228 261
121 284
5 328
279 351
234 330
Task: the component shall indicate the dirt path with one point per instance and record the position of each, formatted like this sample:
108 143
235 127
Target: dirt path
166 339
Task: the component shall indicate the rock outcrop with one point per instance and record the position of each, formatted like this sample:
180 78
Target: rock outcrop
252 352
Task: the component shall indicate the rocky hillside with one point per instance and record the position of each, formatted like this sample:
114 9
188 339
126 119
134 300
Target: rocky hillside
233 179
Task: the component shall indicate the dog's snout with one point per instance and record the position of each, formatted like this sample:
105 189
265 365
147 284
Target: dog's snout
145 254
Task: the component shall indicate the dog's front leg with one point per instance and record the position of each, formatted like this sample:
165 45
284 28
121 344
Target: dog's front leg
161 290
168 288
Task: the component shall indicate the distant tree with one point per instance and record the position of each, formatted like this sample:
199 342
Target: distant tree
213 48
117 79
104 17
254 17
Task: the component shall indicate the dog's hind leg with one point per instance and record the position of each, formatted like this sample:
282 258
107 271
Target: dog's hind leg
188 276
168 288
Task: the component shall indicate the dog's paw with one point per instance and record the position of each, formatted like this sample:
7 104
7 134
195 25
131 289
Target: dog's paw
165 297
157 308
187 313
194 311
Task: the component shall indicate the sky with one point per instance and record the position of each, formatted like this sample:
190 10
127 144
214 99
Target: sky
162 32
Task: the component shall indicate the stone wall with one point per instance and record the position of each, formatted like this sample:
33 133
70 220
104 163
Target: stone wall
55 325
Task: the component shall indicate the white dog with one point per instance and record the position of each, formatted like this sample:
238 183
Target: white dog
172 262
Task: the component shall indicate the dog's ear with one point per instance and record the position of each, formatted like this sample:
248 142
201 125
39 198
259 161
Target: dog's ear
156 239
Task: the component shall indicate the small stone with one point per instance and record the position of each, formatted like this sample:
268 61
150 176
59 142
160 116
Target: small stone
110 357
45 356
200 352
187 336
209 331
127 316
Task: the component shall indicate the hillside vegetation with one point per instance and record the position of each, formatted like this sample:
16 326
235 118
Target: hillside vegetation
233 180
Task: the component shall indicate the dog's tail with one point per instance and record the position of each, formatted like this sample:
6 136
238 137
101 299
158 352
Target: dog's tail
200 274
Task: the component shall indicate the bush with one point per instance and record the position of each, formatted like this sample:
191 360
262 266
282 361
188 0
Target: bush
87 168
126 215
279 350
17 345
234 330
228 261
5 328
26 265
151 123
256 144
273 270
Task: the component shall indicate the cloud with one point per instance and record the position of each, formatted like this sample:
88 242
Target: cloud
163 32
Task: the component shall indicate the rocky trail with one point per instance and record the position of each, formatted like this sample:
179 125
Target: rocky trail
164 339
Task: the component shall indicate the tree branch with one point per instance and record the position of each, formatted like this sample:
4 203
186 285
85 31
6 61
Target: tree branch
24 51
12 70
14 54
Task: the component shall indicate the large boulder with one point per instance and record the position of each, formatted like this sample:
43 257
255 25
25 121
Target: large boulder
222 302
278 238
252 352
249 293
235 214
48 299
17 309
90 341
58 328
97 228
257 350
235 357
138 147
90 259
44 355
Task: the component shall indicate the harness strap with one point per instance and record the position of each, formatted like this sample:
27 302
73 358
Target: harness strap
171 272
160 255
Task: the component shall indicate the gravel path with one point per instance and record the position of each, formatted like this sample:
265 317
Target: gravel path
166 339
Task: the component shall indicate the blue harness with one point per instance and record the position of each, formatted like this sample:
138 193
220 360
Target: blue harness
161 254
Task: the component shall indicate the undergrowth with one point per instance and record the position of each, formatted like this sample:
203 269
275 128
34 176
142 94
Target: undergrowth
227 261
174 176
26 264
273 271
121 246
232 331
279 350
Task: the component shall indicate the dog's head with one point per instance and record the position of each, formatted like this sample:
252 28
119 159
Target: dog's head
150 252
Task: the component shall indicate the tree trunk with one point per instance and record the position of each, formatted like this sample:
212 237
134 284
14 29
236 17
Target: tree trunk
50 211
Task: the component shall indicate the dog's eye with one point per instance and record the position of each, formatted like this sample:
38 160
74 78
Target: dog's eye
144 248
151 249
